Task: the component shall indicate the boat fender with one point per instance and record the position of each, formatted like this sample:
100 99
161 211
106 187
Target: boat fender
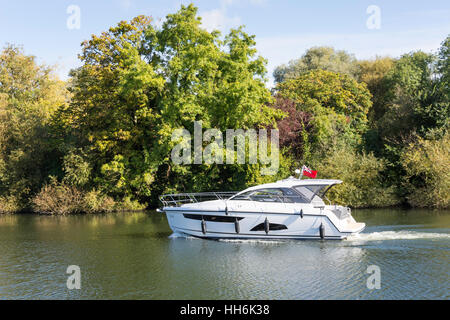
322 231
226 210
301 213
267 226
237 227
203 226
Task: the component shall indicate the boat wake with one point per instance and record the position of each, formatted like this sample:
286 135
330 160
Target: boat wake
373 236
397 235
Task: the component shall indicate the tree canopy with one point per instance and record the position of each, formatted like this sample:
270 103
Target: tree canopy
337 103
29 95
138 84
323 58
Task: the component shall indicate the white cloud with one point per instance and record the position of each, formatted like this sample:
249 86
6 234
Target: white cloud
126 4
217 19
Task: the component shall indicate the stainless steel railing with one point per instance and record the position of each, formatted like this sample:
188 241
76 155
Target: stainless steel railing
178 199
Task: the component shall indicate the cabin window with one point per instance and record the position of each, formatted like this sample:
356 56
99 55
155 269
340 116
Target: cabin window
280 195
212 218
268 195
272 227
243 196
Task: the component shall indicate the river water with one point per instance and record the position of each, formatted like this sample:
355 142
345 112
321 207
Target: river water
135 256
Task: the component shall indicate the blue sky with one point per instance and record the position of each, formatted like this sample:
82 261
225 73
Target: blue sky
284 29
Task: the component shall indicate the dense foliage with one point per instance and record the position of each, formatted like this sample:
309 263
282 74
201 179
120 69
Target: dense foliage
138 84
427 177
337 103
103 140
323 58
384 131
29 96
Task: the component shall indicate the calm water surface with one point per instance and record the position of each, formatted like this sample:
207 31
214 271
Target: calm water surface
135 256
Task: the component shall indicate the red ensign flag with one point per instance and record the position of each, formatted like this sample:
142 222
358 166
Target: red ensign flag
309 173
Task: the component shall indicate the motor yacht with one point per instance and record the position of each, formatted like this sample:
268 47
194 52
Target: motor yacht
287 209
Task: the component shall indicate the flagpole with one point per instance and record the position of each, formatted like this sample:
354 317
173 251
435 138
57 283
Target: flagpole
301 174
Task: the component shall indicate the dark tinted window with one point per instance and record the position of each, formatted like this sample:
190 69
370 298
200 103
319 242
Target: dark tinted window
212 218
272 227
282 195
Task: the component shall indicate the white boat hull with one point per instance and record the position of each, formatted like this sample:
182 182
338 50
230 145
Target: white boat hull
241 225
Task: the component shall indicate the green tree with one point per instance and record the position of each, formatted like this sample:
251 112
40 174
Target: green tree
416 102
427 178
138 84
443 65
415 105
112 112
362 175
29 95
337 103
323 58
373 73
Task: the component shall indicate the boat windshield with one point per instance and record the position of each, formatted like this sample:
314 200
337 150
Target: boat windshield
297 194
312 192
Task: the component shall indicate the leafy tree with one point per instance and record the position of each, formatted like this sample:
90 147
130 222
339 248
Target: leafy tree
29 95
337 103
443 68
295 128
323 58
427 178
76 169
112 110
444 64
416 103
362 175
138 84
373 73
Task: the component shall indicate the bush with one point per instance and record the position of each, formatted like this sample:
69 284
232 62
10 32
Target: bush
9 204
361 174
96 202
427 164
60 199
129 205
